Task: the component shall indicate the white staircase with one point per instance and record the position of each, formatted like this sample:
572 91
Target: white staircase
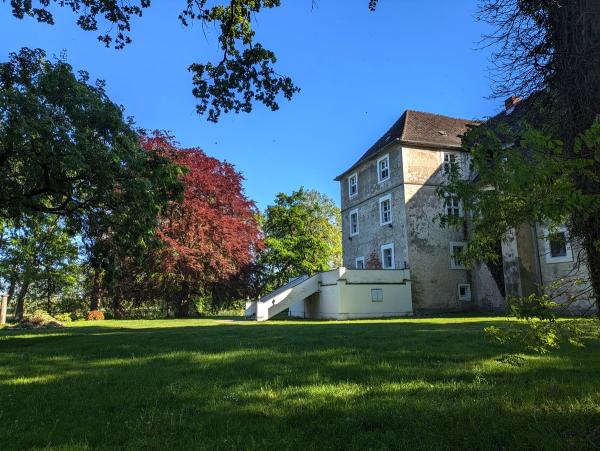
283 298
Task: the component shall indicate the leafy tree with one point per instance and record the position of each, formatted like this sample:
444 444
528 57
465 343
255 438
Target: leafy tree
211 237
66 150
38 259
302 235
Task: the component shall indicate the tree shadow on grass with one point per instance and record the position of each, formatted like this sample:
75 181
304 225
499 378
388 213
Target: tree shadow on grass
291 386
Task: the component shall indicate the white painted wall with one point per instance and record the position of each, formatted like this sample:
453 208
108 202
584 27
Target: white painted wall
346 294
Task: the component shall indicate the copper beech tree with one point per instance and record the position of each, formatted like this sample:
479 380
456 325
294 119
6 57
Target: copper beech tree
210 237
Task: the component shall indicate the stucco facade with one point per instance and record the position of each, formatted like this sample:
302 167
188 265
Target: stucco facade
371 235
389 200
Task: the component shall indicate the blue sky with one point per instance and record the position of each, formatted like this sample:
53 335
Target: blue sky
358 72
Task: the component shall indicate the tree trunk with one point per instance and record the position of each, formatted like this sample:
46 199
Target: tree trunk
578 84
12 286
183 308
95 292
592 248
48 295
20 307
183 303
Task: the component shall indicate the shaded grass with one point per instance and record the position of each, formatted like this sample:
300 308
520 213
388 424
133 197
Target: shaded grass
217 384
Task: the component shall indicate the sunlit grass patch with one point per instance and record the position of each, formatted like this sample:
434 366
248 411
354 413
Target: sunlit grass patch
431 383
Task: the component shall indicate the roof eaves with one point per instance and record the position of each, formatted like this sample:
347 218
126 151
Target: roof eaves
369 158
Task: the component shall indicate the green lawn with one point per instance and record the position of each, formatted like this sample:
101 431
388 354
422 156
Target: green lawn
210 384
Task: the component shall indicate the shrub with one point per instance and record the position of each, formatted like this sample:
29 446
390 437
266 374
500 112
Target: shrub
95 315
38 319
78 315
64 317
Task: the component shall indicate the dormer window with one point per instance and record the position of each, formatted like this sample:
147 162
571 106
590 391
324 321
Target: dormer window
383 168
353 185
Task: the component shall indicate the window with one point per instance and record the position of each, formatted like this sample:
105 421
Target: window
464 292
359 263
387 256
450 159
452 206
385 210
383 168
557 246
353 185
354 222
457 248
376 295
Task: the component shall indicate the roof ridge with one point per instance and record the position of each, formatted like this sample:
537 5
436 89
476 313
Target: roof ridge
442 115
420 127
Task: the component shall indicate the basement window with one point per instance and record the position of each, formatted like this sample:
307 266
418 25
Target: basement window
376 295
383 168
354 223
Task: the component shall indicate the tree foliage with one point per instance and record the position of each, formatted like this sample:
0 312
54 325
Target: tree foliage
38 260
244 75
66 149
211 237
302 235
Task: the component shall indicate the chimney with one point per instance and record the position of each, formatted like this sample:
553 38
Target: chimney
511 102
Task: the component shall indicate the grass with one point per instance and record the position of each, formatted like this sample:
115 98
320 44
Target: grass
213 384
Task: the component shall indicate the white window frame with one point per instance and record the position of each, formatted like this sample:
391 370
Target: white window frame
382 200
569 252
355 178
468 294
352 213
448 208
385 158
383 249
447 165
361 260
453 263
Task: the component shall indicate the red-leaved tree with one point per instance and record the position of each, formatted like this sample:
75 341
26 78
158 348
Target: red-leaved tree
209 238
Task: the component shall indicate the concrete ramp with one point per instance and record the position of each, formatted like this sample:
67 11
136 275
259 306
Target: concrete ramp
283 298
339 294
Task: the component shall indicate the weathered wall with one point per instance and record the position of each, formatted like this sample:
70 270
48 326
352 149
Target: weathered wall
434 283
372 235
570 272
486 294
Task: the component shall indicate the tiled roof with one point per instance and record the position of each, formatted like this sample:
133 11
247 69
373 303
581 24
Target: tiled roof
421 129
